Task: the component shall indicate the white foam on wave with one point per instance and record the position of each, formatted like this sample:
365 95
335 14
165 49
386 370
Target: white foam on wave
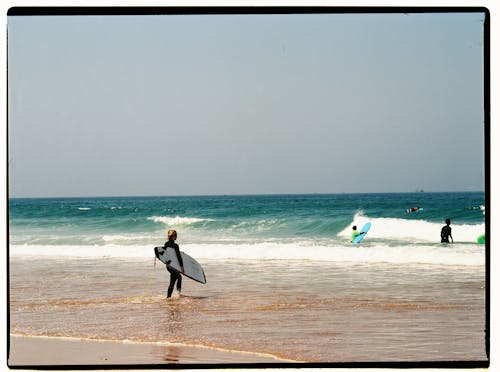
426 254
412 230
444 254
81 251
125 239
177 220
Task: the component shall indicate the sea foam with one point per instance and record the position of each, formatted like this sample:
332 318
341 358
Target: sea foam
177 220
412 230
373 252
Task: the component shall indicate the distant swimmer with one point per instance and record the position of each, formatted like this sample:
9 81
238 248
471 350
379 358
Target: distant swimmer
355 233
174 275
446 232
414 209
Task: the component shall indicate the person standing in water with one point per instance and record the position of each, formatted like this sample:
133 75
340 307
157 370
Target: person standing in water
355 233
174 275
446 232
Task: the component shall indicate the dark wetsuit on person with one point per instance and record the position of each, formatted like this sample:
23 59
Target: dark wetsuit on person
446 232
174 275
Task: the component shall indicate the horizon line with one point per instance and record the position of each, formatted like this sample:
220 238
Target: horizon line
238 194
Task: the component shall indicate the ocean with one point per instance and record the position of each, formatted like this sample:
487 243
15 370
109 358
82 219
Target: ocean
282 277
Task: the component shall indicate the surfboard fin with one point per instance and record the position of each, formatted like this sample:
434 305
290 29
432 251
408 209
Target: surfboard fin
158 254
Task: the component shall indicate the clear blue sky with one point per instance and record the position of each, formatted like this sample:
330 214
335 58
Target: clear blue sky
234 104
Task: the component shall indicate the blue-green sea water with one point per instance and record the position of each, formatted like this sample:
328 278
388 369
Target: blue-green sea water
264 226
282 277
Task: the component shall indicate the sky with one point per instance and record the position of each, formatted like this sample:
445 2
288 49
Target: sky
245 104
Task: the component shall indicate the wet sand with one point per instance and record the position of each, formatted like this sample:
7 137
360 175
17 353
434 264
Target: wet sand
53 351
313 312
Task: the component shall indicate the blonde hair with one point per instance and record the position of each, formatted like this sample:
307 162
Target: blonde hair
171 233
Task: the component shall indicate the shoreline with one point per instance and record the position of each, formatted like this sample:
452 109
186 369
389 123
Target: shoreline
29 351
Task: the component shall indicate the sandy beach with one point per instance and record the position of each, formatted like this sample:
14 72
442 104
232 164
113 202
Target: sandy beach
53 351
274 313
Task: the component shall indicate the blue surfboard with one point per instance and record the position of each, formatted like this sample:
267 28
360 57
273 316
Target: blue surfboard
364 230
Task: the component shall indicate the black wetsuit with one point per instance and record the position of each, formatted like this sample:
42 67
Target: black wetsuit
445 234
174 275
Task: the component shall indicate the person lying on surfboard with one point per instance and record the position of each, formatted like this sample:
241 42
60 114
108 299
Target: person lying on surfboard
414 209
355 233
174 275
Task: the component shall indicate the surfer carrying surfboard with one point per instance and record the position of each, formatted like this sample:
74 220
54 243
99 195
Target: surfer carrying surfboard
355 233
174 275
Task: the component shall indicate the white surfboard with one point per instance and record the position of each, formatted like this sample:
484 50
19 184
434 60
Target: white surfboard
192 269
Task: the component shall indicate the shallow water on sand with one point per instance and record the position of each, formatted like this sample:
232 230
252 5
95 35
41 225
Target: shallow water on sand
304 311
